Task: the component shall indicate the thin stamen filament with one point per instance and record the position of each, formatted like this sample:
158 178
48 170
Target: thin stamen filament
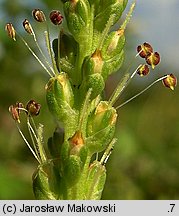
47 38
121 86
39 48
32 133
28 145
37 58
108 152
130 99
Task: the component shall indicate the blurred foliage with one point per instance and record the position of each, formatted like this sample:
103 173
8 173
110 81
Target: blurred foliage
145 161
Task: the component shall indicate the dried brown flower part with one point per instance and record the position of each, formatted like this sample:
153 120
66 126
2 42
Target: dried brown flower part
153 59
38 15
143 70
10 31
170 81
56 17
33 108
27 26
15 111
144 50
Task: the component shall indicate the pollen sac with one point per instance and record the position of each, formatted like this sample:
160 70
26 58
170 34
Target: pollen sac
144 50
56 17
170 81
153 59
15 111
10 31
38 15
27 26
143 70
33 108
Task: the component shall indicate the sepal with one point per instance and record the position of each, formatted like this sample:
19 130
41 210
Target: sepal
44 182
95 181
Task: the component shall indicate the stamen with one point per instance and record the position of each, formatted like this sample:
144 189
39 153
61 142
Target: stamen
27 143
37 58
121 86
108 152
49 48
130 99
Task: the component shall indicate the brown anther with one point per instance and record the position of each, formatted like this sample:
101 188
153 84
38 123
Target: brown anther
56 17
170 81
153 59
144 50
38 15
27 26
15 111
33 108
10 31
143 70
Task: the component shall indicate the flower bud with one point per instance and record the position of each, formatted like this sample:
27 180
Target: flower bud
78 19
112 65
95 181
153 59
144 50
27 26
63 89
60 99
56 17
94 64
103 116
143 70
108 9
10 31
15 111
38 15
100 127
114 44
170 81
45 182
72 170
33 108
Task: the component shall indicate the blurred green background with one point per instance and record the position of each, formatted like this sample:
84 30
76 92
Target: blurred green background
145 161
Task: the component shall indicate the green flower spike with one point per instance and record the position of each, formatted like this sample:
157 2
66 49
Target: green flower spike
83 56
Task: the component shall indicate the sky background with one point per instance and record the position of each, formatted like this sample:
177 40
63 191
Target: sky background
157 22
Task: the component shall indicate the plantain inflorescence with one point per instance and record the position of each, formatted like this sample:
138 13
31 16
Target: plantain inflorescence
85 53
